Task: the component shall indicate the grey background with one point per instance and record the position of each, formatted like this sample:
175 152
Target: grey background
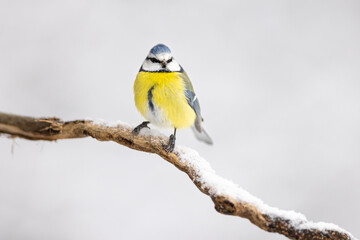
278 83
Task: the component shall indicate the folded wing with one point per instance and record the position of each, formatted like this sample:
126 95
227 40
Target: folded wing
193 101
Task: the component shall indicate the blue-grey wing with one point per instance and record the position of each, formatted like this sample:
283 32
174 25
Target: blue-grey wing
190 94
193 101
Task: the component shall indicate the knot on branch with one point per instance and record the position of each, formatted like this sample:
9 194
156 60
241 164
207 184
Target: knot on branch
224 205
49 126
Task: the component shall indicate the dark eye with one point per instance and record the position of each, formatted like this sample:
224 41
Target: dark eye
170 60
154 60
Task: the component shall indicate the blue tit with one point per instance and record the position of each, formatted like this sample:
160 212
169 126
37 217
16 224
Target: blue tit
165 96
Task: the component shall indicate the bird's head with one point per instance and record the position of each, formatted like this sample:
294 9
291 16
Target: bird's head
160 59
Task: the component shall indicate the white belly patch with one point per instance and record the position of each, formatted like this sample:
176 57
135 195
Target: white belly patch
158 118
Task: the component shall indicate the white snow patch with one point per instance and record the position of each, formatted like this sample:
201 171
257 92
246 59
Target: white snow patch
322 226
219 186
121 124
144 132
152 133
216 184
104 123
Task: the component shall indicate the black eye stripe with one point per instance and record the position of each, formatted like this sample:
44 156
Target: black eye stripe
154 60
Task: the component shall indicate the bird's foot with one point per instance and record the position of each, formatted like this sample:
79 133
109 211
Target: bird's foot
137 130
171 144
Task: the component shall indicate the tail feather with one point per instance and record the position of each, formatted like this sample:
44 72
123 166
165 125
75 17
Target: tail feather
202 135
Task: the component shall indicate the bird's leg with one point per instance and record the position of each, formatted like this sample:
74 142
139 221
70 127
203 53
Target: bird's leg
170 146
141 126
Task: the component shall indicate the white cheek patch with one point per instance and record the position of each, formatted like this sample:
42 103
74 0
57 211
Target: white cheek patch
150 66
173 66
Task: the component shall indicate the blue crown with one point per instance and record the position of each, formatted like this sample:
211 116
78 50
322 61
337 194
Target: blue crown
160 48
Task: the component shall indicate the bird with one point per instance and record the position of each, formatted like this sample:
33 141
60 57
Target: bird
165 96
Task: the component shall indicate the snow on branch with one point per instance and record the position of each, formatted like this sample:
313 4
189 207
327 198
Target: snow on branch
228 198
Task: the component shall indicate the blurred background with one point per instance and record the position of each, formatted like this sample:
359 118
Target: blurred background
278 83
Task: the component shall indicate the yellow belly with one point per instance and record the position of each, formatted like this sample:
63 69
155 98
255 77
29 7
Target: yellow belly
171 108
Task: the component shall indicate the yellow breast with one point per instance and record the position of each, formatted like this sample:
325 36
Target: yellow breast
168 105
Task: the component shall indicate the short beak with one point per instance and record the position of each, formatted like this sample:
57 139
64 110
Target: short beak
163 64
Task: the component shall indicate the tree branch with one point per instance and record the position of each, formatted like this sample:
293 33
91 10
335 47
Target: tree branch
228 198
